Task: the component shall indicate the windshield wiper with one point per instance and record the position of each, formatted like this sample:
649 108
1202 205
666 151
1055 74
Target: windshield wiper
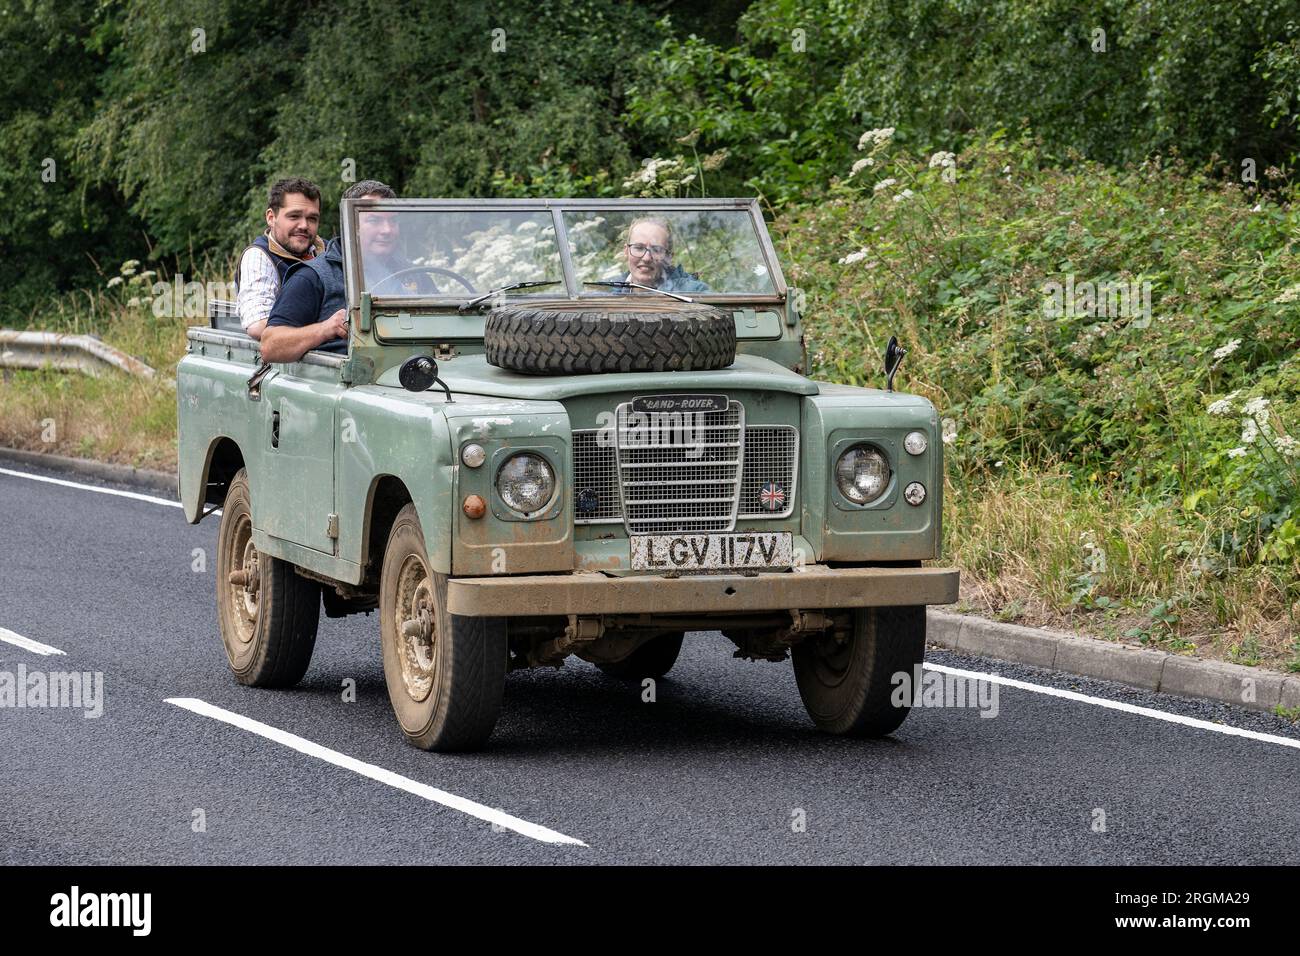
506 288
648 288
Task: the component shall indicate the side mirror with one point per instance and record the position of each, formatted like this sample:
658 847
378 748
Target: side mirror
894 355
419 373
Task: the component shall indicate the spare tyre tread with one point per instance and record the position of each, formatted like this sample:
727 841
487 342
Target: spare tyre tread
557 339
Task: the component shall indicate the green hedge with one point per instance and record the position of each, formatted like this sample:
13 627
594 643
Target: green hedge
971 274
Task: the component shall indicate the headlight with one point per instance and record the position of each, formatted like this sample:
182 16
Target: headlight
526 483
862 474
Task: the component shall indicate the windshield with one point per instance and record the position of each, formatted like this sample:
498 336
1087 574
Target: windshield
469 249
455 253
699 251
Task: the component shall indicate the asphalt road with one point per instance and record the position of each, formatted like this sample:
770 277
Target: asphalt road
723 767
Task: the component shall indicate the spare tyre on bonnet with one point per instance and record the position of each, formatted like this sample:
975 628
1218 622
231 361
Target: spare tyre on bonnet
610 335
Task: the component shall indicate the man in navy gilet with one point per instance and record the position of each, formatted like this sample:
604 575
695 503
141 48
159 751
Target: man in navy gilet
311 312
292 220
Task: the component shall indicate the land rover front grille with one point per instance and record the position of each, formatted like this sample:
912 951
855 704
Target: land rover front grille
666 487
680 472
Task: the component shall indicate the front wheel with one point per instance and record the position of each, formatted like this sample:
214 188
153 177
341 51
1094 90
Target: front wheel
446 674
845 680
267 612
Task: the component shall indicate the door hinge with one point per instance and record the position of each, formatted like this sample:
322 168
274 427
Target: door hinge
332 526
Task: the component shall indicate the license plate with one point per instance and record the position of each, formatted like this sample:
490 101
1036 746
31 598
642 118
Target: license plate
744 550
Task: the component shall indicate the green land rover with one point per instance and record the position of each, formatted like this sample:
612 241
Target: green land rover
564 427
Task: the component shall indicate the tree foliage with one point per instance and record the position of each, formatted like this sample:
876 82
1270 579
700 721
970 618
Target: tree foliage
57 220
170 118
1113 80
1118 323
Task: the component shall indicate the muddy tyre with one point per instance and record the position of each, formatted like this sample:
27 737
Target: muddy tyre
267 612
445 674
624 334
654 658
846 686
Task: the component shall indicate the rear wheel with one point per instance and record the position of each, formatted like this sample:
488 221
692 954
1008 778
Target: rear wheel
268 613
654 658
445 674
846 684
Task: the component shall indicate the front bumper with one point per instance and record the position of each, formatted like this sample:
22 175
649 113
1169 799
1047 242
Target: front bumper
811 587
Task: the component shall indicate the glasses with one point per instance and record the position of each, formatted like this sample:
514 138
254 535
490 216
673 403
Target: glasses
639 249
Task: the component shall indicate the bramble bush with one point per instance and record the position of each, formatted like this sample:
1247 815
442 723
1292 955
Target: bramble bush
1183 401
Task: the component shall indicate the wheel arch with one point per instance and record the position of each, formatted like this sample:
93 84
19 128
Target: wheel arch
221 463
386 496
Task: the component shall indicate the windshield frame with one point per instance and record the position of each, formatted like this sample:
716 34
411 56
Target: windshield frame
573 288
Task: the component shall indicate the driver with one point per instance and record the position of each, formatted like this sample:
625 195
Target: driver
386 272
311 312
648 255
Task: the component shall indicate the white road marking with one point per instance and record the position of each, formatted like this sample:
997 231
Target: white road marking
1118 705
27 644
103 491
302 745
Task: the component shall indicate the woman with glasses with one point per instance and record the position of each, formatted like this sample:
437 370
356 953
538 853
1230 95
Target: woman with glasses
648 255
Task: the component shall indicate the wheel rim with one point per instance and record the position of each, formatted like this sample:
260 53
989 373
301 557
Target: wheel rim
414 626
245 579
832 659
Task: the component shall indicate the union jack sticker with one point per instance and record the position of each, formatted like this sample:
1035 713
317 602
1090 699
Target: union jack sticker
772 496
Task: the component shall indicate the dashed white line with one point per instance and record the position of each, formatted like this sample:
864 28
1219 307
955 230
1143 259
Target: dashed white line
304 746
1118 705
27 644
102 491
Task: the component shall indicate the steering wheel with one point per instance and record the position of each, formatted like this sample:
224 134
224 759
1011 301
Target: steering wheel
469 287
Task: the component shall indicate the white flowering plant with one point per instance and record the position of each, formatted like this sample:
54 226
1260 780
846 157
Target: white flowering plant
894 176
1261 473
674 177
130 287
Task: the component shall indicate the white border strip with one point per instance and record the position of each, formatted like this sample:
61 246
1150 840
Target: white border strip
27 644
302 745
1118 705
103 491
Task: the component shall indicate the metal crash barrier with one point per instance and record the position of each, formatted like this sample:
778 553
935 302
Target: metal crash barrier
67 353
